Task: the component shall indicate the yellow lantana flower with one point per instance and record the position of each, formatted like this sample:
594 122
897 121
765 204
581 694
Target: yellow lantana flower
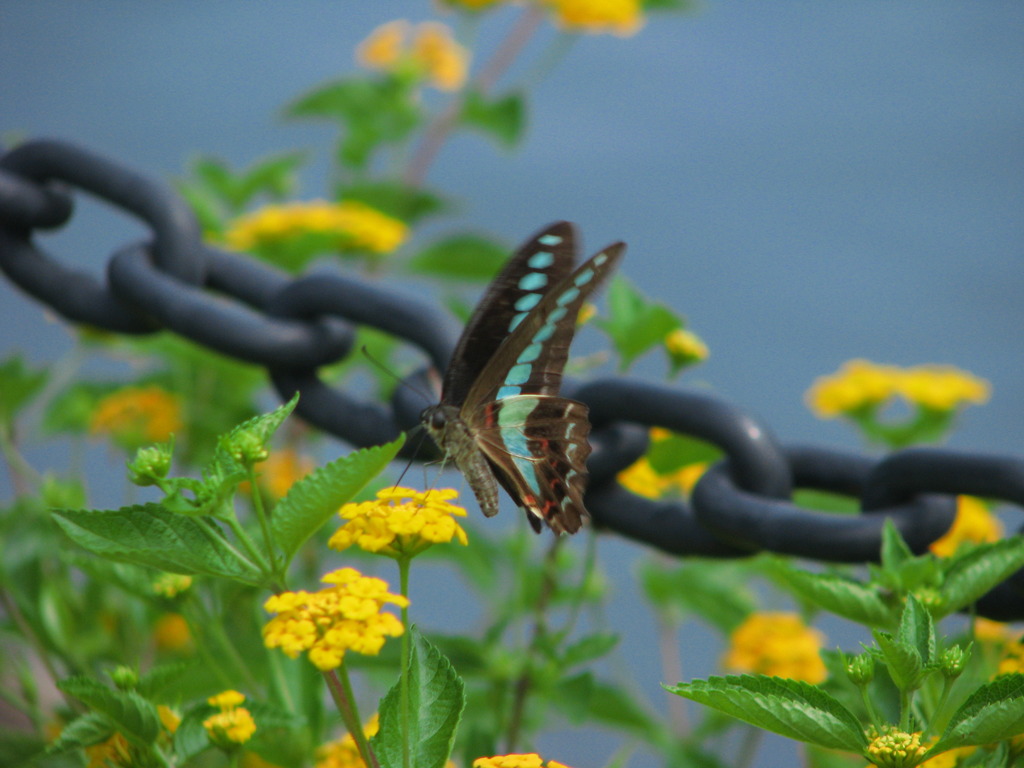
171 584
893 748
776 644
230 727
400 522
686 345
134 416
343 617
282 469
343 752
115 751
619 17
171 633
350 224
427 48
974 522
943 387
641 478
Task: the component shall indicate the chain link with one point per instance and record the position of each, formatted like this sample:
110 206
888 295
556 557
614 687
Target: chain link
292 326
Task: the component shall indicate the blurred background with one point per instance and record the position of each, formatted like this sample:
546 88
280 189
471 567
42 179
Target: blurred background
806 182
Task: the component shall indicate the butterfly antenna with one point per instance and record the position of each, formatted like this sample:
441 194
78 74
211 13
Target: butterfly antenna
398 379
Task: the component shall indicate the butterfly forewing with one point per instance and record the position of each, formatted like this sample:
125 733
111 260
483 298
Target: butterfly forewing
531 359
541 262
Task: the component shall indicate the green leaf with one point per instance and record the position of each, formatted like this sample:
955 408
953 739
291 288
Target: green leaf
845 597
155 683
72 410
895 551
314 499
994 712
409 204
917 629
583 698
503 119
589 648
436 701
135 717
151 536
636 324
715 592
91 728
902 659
18 385
462 257
791 708
972 572
678 451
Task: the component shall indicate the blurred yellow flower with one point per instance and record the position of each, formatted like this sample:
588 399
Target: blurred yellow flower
974 522
991 632
230 727
171 633
226 699
169 719
686 345
428 48
528 760
619 17
171 584
1013 658
947 759
641 478
400 522
345 616
282 469
861 383
776 644
134 416
112 753
343 752
350 224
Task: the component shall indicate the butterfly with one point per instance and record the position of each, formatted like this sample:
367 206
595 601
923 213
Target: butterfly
500 418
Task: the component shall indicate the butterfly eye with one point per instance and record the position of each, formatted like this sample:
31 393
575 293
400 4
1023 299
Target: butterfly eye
437 420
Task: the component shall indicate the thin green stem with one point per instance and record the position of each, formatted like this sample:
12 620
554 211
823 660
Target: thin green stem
403 587
23 475
261 515
876 720
213 629
256 557
341 691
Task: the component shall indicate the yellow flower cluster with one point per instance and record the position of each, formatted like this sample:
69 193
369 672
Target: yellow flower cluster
233 724
400 522
893 748
137 415
343 752
1012 660
530 760
427 48
345 616
861 383
974 522
685 345
171 633
776 644
114 751
620 17
349 223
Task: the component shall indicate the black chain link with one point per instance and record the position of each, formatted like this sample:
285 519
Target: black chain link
293 326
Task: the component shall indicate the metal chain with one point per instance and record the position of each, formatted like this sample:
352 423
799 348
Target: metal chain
292 326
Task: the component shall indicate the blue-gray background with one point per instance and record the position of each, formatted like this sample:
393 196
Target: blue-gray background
807 182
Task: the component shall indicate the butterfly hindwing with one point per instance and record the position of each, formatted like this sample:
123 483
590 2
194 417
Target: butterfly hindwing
541 262
538 448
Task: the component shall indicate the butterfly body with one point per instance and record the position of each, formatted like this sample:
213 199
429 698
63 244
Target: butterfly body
500 418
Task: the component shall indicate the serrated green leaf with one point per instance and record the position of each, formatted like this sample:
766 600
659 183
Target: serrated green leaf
610 705
503 119
409 204
994 712
971 574
895 551
463 257
91 728
436 701
917 629
791 708
312 500
156 681
190 737
150 536
902 659
851 599
133 716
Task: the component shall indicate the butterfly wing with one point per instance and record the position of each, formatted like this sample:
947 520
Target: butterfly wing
541 262
538 447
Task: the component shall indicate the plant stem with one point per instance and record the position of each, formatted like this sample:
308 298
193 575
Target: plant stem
403 578
341 691
261 515
441 127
